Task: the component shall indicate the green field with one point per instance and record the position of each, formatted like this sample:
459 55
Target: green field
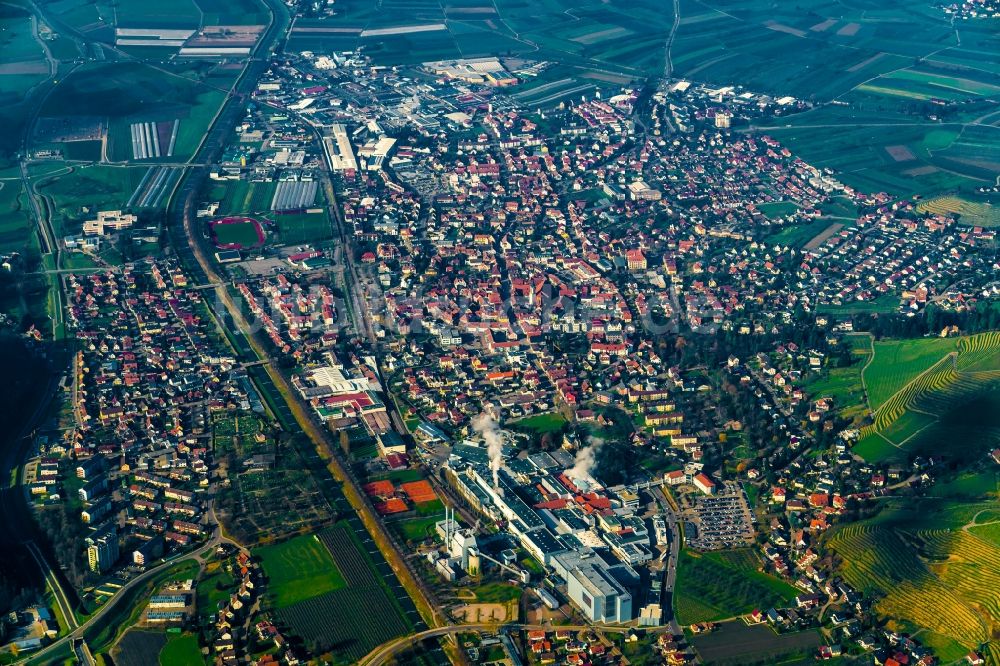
414 529
243 234
174 14
496 593
927 571
94 187
16 227
943 397
796 234
299 569
719 585
844 385
214 588
969 485
141 93
23 78
232 12
897 362
776 209
181 650
988 532
23 56
541 423
358 616
88 151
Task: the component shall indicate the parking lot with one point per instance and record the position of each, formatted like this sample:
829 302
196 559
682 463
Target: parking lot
723 520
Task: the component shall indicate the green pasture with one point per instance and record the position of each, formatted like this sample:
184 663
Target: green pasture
299 569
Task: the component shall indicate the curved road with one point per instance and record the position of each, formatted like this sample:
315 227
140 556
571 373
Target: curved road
386 651
57 590
78 632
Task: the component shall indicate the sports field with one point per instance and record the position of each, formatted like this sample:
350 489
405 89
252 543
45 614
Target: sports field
242 197
299 569
297 228
237 232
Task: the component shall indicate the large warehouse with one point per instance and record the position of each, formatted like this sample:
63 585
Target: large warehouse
601 591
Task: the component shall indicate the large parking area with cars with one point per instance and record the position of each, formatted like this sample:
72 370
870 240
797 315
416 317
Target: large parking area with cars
723 520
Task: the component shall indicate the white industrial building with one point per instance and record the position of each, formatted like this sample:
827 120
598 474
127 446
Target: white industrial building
602 591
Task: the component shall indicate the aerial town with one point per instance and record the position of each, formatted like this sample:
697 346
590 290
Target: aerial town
418 365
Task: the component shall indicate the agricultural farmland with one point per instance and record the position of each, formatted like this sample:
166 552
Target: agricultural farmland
23 64
927 570
942 393
299 569
594 44
893 69
970 213
939 159
23 76
897 362
737 643
715 586
342 619
179 108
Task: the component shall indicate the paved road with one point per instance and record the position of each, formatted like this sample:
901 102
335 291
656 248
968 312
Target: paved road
53 582
670 580
83 654
36 657
383 653
668 61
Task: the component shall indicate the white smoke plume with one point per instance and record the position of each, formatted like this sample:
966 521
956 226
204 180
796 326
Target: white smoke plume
585 460
490 431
